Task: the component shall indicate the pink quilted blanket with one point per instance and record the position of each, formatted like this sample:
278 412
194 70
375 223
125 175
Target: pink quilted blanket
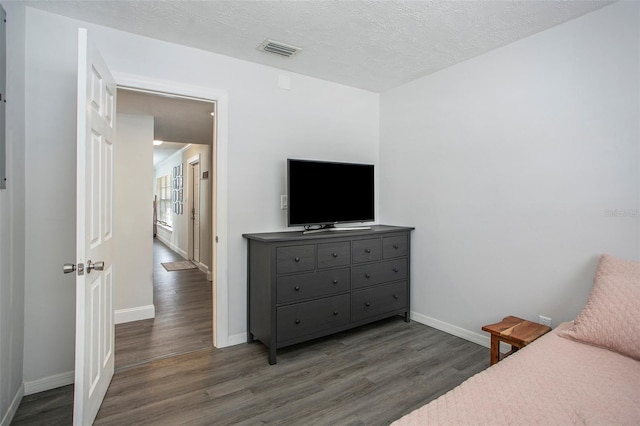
552 381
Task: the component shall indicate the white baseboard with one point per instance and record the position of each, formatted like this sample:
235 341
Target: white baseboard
48 383
203 268
134 314
480 339
172 246
13 408
471 336
237 339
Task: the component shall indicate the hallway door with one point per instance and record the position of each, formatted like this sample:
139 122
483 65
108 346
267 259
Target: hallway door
195 208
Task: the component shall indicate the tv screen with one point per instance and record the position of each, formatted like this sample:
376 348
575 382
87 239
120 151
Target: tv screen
325 193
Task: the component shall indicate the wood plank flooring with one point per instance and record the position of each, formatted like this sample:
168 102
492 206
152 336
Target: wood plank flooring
183 321
368 376
371 375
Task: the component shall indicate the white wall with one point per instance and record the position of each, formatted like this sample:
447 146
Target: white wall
315 119
50 202
12 221
133 189
507 164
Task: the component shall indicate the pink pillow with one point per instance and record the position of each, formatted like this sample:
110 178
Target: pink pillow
611 317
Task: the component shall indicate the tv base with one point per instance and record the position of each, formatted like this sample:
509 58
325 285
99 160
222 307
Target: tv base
334 229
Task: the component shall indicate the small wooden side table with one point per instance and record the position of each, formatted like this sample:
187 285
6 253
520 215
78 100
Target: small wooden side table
514 331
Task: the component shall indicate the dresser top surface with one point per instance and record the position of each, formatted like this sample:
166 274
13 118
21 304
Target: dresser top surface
333 233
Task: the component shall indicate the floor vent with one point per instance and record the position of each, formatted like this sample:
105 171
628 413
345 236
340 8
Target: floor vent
282 49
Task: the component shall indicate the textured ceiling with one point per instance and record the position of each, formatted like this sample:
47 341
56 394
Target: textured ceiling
374 45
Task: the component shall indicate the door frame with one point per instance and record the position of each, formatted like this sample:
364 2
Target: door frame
192 195
219 199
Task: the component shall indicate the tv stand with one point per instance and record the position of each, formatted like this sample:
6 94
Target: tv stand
301 287
333 228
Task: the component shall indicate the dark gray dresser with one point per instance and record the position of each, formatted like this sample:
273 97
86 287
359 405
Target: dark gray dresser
300 287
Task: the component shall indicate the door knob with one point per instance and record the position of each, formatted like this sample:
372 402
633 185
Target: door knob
71 267
98 266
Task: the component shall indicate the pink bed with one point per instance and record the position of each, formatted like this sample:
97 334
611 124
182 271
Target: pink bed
559 379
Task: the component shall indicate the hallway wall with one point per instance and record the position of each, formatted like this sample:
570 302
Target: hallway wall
133 216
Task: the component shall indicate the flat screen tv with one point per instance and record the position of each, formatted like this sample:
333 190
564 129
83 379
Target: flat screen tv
322 193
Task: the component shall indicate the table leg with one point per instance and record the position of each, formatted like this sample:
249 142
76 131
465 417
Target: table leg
495 350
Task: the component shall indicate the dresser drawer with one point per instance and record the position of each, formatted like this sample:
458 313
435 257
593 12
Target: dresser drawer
378 300
366 250
295 258
291 288
307 318
334 254
395 247
378 273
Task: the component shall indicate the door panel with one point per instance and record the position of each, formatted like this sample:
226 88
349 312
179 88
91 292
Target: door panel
108 192
94 362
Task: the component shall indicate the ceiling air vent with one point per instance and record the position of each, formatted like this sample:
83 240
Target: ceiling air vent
278 48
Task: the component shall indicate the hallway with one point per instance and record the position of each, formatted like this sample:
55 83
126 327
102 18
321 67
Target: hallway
183 321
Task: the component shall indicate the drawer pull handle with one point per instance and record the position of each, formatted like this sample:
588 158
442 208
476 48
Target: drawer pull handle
335 281
367 304
297 288
395 296
367 276
395 246
335 254
367 250
335 313
297 321
297 259
395 269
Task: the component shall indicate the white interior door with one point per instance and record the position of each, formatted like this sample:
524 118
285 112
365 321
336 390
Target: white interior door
195 209
94 232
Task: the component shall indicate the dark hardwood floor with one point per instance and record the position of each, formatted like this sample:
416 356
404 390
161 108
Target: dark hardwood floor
368 376
183 321
371 375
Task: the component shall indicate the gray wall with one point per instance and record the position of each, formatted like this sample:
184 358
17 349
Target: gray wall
510 165
133 289
12 221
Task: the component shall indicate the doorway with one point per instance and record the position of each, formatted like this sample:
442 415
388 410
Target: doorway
219 202
196 198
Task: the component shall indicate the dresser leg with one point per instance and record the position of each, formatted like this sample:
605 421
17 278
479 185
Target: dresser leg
407 317
272 355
